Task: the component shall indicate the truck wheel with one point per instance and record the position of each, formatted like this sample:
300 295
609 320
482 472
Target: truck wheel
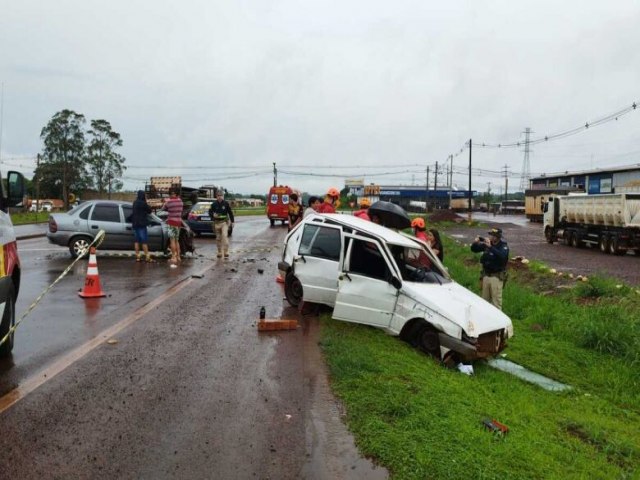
603 244
79 244
573 239
548 234
614 247
8 320
292 289
428 341
272 221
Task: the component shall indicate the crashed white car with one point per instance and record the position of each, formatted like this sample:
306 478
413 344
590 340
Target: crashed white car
376 276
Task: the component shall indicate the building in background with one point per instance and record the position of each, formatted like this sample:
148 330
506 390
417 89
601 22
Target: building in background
596 181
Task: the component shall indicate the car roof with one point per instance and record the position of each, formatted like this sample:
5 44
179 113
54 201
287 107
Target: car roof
365 226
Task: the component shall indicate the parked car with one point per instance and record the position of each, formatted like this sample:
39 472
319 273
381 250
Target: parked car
199 220
77 228
376 276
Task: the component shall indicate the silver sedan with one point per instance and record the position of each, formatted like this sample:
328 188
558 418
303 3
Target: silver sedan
77 228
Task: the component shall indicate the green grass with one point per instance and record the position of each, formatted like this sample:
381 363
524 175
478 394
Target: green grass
422 421
22 218
245 212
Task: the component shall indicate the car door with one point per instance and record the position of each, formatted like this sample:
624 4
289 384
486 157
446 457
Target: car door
365 293
316 264
106 216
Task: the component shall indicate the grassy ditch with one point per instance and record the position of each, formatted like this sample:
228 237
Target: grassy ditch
422 421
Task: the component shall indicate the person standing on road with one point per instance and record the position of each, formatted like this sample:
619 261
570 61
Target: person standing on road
294 211
222 216
314 204
330 201
174 207
139 222
494 259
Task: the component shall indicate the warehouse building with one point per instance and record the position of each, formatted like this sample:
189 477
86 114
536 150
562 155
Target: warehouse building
601 180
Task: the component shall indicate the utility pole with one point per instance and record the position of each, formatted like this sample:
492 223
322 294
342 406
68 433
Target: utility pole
275 175
1 116
488 196
37 186
506 182
470 199
450 180
428 199
435 184
526 170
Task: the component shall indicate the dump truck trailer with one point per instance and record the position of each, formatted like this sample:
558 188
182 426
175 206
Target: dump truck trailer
609 222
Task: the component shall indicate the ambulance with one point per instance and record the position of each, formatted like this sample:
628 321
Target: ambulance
278 203
11 195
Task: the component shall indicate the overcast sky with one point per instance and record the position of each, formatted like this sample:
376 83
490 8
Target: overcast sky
362 87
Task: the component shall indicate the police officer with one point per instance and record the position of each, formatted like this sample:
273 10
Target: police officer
495 255
222 216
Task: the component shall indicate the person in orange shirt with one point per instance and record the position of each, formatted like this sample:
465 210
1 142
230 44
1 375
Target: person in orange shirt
365 203
420 231
331 201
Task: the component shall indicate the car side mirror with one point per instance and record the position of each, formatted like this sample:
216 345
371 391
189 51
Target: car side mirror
395 281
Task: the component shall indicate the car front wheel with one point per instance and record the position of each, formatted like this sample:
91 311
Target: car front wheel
292 289
8 320
78 245
428 341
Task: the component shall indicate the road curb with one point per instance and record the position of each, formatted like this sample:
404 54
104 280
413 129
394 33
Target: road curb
31 235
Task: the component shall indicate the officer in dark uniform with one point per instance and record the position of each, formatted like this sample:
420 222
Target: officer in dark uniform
495 255
222 216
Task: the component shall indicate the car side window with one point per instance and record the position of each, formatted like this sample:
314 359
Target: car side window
127 210
84 214
367 259
322 242
106 213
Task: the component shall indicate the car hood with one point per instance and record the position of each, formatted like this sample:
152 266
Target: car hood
458 305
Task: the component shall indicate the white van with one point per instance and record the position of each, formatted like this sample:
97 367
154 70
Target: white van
376 276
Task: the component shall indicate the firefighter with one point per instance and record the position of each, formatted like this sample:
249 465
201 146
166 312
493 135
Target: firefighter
222 216
494 259
365 203
420 231
331 201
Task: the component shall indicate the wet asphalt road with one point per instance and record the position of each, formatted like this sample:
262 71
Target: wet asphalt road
186 389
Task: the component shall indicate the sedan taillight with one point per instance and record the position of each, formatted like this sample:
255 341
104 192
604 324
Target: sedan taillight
53 226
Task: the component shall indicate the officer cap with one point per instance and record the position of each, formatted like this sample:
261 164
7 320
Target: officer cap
496 232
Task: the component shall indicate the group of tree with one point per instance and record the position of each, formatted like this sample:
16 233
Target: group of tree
75 158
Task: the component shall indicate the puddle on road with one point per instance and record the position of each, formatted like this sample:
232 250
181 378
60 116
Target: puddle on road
527 375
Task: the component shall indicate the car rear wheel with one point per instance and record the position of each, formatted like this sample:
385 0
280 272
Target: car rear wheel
428 341
292 289
272 221
78 245
8 320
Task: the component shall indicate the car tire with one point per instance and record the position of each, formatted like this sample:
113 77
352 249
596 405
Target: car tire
7 321
293 289
79 243
428 341
272 221
549 235
197 234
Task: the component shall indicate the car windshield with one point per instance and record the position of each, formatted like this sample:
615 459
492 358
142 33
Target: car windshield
417 265
201 207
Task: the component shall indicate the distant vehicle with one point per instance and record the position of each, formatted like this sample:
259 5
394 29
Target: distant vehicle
278 204
77 228
199 220
44 207
376 276
10 272
610 222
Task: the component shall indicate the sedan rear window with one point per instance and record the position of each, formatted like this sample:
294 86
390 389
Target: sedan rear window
323 242
106 213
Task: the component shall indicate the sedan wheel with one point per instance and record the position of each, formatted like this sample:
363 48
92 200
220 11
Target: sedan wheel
292 289
7 321
78 245
428 341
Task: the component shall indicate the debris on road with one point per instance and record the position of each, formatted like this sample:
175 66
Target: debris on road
112 341
271 325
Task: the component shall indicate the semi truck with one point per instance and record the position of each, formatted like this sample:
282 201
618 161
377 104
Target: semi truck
610 222
535 199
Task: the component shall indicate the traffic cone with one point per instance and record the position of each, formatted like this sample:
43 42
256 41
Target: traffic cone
92 288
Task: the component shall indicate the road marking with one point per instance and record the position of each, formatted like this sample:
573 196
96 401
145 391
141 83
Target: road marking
35 381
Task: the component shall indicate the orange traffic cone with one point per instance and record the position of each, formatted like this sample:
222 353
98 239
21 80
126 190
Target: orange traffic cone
92 286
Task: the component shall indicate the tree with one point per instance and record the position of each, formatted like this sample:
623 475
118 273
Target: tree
63 159
104 163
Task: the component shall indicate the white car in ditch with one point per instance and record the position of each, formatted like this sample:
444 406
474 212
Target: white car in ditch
376 276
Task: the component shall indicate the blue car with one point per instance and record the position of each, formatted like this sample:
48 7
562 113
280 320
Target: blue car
199 220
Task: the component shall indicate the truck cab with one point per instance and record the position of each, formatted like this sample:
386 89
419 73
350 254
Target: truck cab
11 195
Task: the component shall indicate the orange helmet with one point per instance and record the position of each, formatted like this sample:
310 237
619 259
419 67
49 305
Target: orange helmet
418 223
365 203
333 192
